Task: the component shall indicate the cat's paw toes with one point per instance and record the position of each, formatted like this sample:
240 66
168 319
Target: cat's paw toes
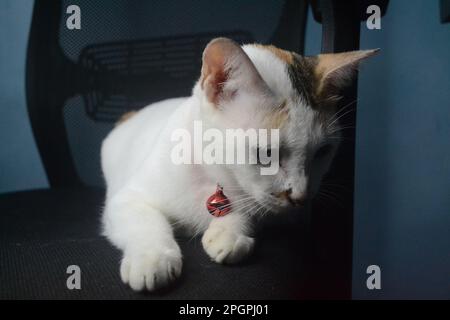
224 246
150 270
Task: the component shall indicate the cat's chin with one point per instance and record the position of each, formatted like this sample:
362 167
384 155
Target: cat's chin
276 207
267 208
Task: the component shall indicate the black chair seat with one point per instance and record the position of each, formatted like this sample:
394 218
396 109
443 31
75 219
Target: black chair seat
43 232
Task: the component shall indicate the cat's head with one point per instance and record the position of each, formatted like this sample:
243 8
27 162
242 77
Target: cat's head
258 87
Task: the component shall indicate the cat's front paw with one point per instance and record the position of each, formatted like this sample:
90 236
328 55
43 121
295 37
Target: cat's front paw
150 269
225 246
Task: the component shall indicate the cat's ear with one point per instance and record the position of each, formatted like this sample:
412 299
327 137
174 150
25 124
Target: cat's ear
226 69
334 71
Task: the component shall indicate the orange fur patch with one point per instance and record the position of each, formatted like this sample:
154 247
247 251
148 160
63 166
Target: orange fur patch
125 117
283 195
345 63
277 118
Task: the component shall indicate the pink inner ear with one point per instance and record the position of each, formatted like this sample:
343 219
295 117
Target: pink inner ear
213 80
214 73
224 61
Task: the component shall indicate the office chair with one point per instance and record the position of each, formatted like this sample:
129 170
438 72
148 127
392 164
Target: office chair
125 56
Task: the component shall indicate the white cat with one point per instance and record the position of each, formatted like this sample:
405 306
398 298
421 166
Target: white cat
252 86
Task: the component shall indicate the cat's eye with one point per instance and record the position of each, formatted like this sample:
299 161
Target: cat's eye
323 151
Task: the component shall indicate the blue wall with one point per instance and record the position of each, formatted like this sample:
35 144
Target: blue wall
402 201
402 220
20 165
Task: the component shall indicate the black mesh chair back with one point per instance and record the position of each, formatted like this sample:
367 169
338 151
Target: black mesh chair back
126 55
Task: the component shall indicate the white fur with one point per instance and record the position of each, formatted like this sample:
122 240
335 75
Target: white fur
147 195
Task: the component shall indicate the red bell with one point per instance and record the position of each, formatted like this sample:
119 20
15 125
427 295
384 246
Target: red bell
218 204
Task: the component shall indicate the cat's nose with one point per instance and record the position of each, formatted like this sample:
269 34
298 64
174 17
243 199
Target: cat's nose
294 199
298 200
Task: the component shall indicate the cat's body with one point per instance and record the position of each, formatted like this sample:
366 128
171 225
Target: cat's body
147 194
138 157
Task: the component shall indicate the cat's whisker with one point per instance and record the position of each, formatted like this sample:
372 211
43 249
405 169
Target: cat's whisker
249 209
342 109
233 203
266 206
340 116
332 197
239 196
243 207
267 210
258 206
346 106
341 138
246 206
269 207
341 129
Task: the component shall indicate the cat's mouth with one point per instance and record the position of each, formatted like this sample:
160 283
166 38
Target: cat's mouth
279 204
